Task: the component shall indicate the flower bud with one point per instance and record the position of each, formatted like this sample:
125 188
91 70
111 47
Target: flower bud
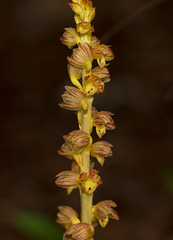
82 56
70 37
77 19
91 14
67 216
103 53
68 179
79 231
86 3
83 27
94 42
102 73
102 211
74 99
100 150
78 9
102 121
79 140
90 181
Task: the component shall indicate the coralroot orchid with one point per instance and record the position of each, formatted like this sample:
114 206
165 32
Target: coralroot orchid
103 210
78 145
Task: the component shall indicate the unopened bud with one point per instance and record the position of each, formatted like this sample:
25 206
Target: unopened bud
86 3
91 14
78 9
77 19
83 27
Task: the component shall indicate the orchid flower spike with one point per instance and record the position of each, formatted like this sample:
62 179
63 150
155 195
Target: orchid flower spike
88 73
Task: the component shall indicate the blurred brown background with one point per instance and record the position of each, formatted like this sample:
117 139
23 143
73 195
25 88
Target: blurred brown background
33 74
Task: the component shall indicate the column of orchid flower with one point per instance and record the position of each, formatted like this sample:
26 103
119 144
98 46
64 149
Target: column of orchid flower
79 146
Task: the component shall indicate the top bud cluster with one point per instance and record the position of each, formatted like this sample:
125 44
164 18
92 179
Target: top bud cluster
78 145
89 48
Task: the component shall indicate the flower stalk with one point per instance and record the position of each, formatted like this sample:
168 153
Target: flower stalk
79 146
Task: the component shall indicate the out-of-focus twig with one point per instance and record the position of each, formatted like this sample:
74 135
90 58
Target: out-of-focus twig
130 19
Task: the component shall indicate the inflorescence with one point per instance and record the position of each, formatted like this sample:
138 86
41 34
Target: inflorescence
78 145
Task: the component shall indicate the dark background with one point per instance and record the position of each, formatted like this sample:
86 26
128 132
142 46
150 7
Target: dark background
139 177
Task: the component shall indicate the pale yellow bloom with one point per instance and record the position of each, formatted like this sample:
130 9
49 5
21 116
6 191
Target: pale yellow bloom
75 142
103 53
74 99
102 121
67 216
103 210
70 37
82 57
79 231
68 179
100 150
